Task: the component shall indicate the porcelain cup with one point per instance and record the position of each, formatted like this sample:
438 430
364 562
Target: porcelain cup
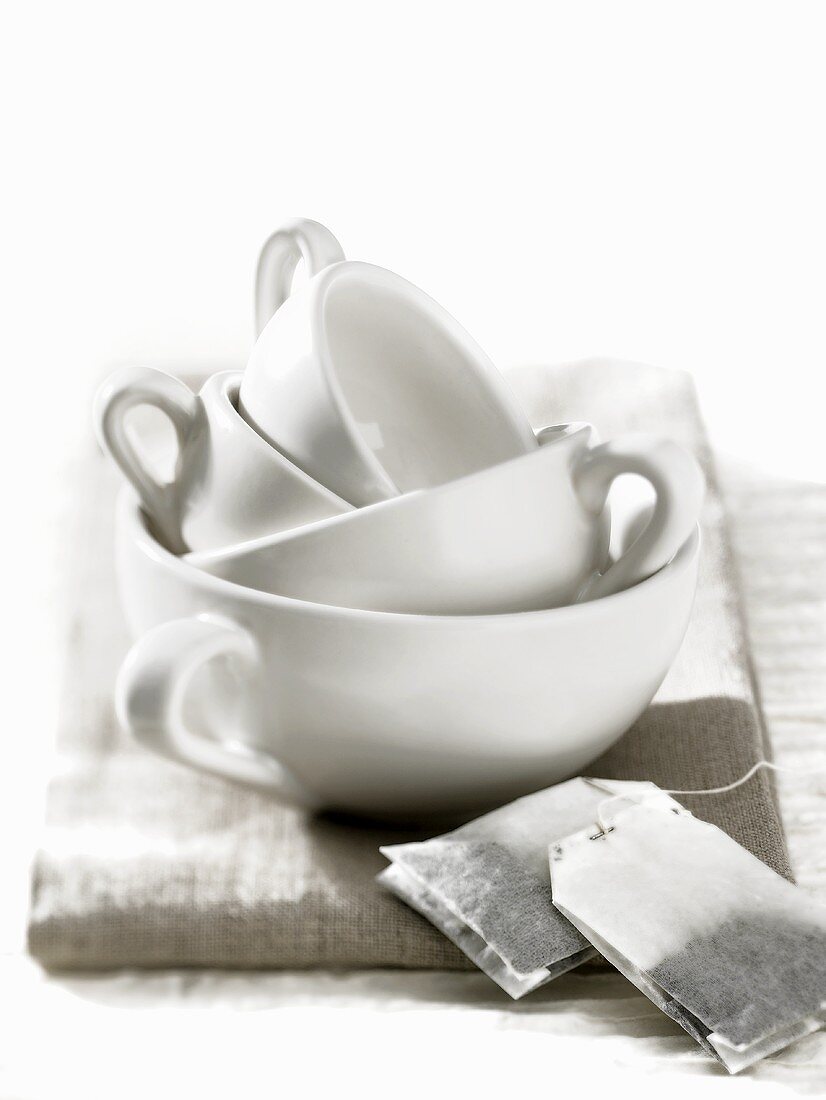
229 483
371 387
527 534
396 716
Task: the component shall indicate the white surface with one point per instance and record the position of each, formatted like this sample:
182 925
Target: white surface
368 1035
644 179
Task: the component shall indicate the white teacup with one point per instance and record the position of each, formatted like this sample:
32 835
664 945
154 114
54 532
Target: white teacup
229 483
387 715
371 387
527 534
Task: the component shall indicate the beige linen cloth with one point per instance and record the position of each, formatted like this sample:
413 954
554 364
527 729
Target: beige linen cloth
147 864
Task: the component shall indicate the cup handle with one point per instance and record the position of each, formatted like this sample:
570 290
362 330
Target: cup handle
151 692
679 487
125 390
295 240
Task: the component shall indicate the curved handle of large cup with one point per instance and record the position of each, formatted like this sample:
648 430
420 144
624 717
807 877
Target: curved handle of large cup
679 487
123 391
151 693
296 240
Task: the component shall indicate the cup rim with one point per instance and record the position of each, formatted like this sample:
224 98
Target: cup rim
132 516
223 387
484 369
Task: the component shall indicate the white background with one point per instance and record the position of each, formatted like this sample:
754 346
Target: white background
644 180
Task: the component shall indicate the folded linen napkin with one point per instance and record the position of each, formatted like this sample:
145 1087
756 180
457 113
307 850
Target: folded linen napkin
147 864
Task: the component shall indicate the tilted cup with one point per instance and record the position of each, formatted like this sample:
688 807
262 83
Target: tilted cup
228 483
369 385
399 716
526 534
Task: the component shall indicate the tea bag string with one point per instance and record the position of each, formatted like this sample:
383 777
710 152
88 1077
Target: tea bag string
753 770
703 790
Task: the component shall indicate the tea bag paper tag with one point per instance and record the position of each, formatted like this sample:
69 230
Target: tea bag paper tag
720 942
486 885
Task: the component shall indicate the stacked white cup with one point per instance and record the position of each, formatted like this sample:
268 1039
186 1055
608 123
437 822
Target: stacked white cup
395 592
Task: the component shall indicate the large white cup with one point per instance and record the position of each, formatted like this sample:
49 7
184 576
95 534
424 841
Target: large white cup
228 484
527 534
381 714
368 384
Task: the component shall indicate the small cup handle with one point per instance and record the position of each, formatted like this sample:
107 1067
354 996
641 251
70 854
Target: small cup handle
151 692
125 390
679 487
295 240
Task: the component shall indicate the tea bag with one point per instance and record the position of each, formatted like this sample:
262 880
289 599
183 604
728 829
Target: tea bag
486 885
720 942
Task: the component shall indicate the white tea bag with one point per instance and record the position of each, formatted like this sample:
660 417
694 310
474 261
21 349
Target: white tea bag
720 942
486 885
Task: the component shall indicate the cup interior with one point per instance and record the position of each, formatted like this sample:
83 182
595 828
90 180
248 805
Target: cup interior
423 396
